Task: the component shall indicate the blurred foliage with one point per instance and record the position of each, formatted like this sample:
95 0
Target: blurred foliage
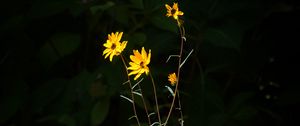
53 71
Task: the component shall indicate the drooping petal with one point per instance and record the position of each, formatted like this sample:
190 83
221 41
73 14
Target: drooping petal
137 76
106 51
134 72
111 56
168 7
107 54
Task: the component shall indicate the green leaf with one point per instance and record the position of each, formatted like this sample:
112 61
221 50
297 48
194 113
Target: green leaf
239 101
66 43
99 112
221 38
96 8
60 45
67 120
245 113
217 119
138 4
46 93
44 8
120 13
138 38
14 94
47 55
164 23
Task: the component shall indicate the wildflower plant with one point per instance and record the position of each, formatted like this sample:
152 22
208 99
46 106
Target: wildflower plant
139 65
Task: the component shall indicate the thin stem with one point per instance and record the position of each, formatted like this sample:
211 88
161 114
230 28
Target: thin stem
132 95
180 109
181 29
145 106
155 96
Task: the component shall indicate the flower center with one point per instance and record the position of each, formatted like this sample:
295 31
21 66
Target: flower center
142 64
113 46
173 11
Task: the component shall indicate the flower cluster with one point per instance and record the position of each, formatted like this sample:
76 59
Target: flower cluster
113 45
174 12
140 60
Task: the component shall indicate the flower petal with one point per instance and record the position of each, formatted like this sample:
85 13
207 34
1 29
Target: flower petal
106 51
137 76
148 58
144 54
168 7
175 6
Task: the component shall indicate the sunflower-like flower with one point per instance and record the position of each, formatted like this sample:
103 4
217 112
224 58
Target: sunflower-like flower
173 11
172 78
113 45
139 62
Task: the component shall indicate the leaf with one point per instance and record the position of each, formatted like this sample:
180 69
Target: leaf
138 38
96 8
67 120
44 8
47 55
66 43
14 95
120 13
99 112
138 4
221 38
47 92
60 45
239 101
245 113
217 119
164 23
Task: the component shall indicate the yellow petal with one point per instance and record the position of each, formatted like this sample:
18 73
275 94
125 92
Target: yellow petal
180 13
111 56
134 59
146 70
137 76
175 6
137 55
123 45
149 57
134 72
107 44
168 7
144 54
107 55
119 36
106 51
175 17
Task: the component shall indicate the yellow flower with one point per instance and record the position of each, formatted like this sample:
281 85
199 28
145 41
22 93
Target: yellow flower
173 11
172 78
113 45
139 62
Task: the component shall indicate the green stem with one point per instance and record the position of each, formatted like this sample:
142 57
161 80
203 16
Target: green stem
181 29
132 95
155 96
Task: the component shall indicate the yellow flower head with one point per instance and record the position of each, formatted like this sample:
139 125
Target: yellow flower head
113 45
139 62
173 11
172 78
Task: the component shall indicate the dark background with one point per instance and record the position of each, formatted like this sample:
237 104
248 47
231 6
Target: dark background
244 69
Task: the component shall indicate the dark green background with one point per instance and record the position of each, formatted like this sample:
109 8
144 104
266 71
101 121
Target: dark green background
53 71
